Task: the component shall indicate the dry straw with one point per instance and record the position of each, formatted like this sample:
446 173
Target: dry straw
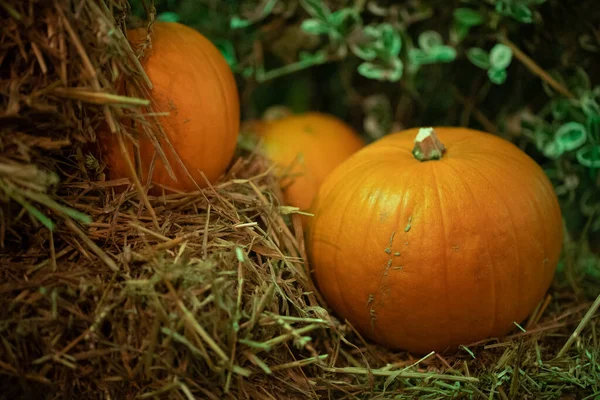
201 295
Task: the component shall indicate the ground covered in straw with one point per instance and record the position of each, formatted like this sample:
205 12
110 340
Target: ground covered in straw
119 295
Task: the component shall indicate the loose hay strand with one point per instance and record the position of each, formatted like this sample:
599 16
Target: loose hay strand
582 324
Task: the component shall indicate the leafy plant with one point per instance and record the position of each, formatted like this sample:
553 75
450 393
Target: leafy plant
574 128
431 50
237 22
378 46
168 16
519 10
495 62
464 20
567 132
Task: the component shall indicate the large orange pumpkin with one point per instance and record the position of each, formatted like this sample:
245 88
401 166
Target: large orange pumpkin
307 147
425 242
192 82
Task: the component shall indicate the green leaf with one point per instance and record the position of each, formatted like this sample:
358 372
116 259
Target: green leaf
430 39
247 72
560 108
461 31
238 23
317 9
593 127
443 54
579 80
315 26
269 8
589 156
364 51
397 70
390 42
372 32
381 40
500 56
168 17
518 11
553 150
468 17
503 8
344 20
372 71
315 58
497 76
380 72
521 13
419 57
227 50
541 137
478 57
571 136
589 104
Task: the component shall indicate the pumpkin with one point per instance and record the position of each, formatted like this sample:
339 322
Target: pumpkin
194 84
429 239
306 148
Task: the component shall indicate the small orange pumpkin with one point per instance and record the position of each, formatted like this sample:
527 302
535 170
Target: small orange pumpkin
306 147
429 243
193 82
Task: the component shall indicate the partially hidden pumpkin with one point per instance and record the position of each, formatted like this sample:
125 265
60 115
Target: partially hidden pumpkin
195 85
429 239
306 148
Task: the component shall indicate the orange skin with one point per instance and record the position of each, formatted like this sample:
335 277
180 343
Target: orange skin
312 145
193 82
426 256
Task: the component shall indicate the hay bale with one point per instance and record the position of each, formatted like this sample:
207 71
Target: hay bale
59 64
104 292
199 295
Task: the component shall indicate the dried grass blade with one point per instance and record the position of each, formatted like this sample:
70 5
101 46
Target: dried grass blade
196 326
101 254
576 333
99 97
406 374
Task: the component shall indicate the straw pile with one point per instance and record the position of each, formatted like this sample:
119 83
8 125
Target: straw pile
203 295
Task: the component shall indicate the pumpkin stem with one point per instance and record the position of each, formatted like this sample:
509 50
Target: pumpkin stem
428 146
